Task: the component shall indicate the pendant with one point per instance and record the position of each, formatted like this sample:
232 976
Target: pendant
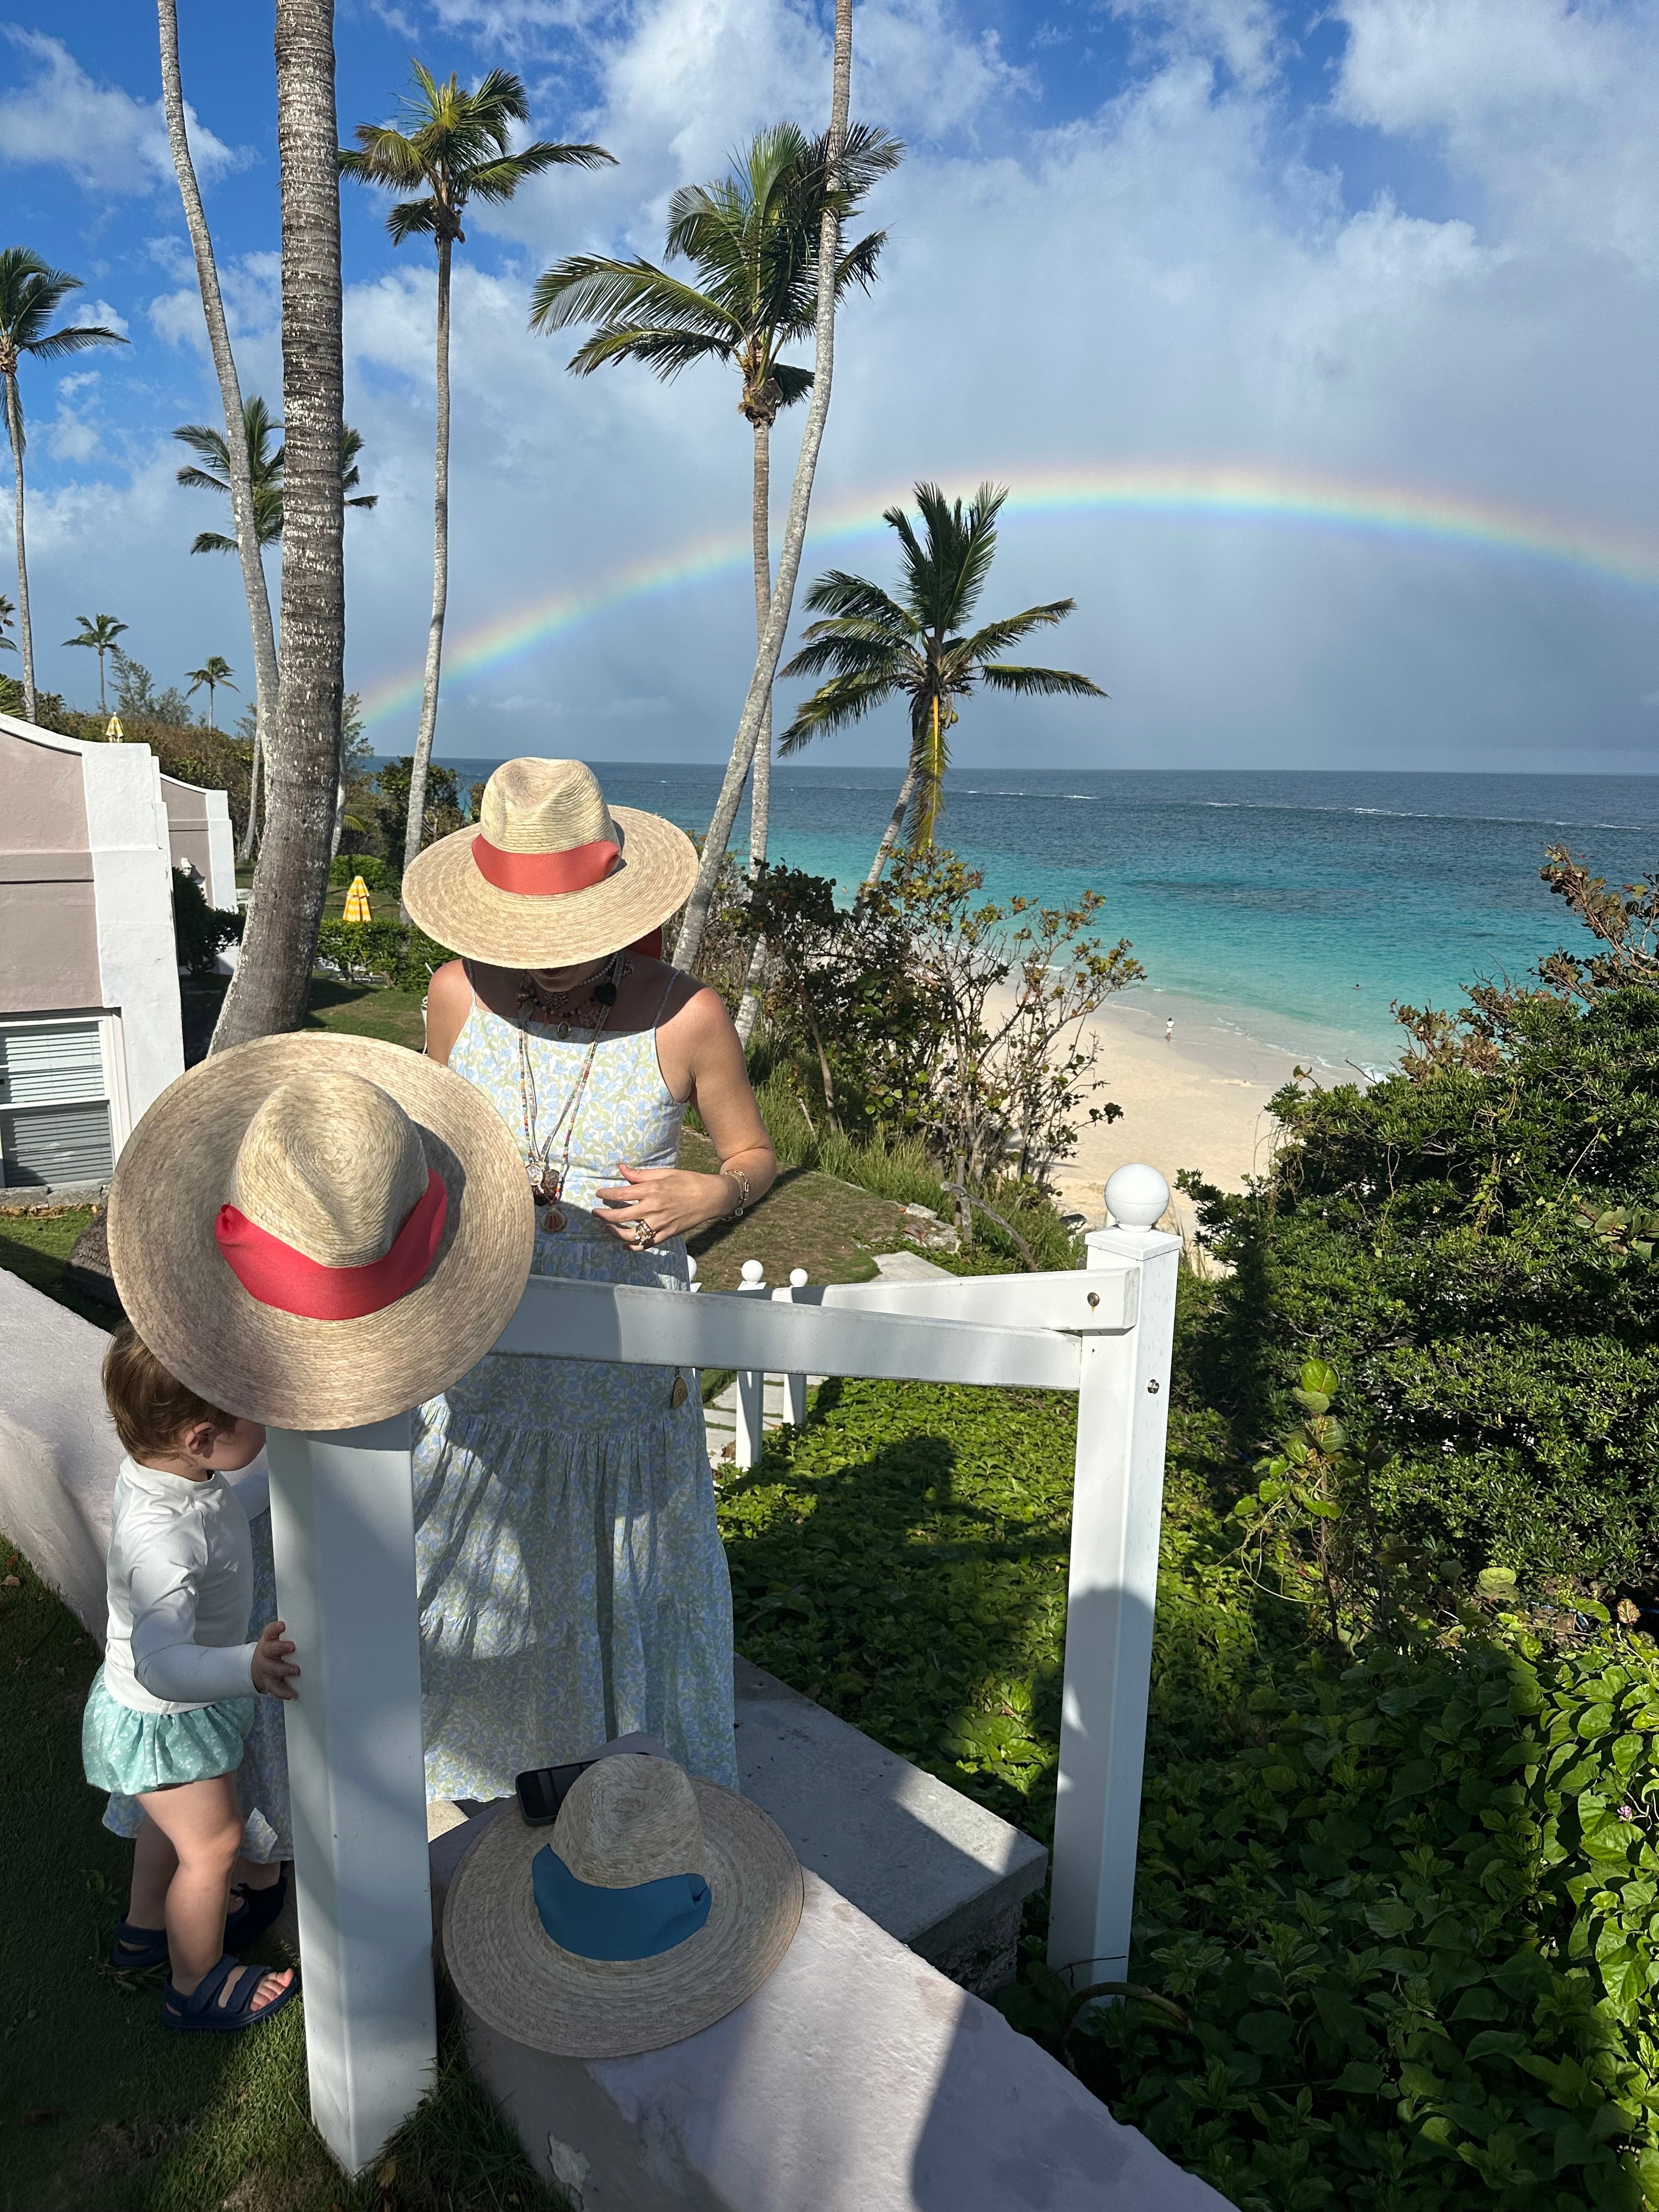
679 1393
562 1031
552 1220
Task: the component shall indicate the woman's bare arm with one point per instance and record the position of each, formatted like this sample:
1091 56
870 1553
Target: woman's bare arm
448 1003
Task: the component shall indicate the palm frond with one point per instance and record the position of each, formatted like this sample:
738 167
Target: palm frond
412 219
793 383
842 701
999 675
997 637
212 541
666 351
849 598
74 340
384 157
201 480
495 181
590 287
851 651
858 264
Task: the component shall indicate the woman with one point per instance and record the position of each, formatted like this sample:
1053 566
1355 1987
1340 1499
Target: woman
573 1587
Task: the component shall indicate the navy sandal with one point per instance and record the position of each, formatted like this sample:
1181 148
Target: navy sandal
200 2012
259 1909
136 1950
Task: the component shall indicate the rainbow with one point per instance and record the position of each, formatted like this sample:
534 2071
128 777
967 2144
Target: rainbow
1185 491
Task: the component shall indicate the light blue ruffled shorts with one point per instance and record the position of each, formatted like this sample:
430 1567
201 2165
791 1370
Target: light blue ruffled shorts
129 1752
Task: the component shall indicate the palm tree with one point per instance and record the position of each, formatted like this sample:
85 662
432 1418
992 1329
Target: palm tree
454 149
265 463
752 239
256 590
215 670
30 294
98 633
875 645
272 988
8 616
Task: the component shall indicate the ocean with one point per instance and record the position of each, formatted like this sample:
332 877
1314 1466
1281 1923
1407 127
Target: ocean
1290 908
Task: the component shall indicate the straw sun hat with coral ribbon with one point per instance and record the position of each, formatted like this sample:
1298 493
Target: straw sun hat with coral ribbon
319 1231
656 1905
551 876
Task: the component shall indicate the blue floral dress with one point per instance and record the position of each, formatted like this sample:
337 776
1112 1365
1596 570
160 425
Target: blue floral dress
572 1583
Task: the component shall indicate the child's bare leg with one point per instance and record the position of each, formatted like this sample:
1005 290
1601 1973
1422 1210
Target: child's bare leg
154 1862
254 1873
202 1822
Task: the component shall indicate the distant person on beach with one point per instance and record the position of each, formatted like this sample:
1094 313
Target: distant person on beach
573 1587
170 1709
1169 1030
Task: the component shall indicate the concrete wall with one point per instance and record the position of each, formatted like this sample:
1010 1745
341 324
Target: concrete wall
199 831
48 912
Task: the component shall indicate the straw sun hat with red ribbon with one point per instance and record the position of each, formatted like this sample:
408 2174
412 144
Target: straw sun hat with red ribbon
319 1231
551 876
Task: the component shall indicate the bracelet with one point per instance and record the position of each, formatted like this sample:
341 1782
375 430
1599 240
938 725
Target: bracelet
738 1177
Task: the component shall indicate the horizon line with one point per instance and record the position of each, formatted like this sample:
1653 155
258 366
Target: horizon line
1262 495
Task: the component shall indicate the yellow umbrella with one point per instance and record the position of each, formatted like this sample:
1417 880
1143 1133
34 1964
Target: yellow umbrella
115 733
357 901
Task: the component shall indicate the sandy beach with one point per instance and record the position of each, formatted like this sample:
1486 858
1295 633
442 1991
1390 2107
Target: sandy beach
1197 1101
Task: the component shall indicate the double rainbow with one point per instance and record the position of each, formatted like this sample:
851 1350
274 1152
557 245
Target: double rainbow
1196 491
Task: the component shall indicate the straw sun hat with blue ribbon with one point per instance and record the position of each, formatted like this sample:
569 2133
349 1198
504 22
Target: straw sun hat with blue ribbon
654 1906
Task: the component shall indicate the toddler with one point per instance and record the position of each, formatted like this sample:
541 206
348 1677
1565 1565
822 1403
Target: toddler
171 1705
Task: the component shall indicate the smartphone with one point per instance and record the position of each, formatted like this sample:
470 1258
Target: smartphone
543 1790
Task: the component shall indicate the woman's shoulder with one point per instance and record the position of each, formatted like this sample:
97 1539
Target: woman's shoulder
684 999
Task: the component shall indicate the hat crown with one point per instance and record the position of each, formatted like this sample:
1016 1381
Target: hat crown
545 807
628 1819
331 1165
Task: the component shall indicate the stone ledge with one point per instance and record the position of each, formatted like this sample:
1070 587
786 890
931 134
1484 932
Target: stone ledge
858 2080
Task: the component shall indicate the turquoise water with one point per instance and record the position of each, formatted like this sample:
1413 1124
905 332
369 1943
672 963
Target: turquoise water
1292 906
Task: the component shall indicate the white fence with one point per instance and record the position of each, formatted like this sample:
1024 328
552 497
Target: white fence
343 1530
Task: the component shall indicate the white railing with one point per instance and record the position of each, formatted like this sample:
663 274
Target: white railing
343 1523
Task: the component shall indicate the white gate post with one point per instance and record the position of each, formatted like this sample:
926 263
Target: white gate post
1116 1514
342 1528
794 1385
751 1395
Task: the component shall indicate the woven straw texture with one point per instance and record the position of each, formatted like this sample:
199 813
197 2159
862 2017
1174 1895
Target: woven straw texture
181 1164
550 806
519 1981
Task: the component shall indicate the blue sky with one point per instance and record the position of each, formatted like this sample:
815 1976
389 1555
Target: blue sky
1396 242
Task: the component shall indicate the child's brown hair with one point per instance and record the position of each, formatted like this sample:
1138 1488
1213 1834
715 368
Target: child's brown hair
150 1408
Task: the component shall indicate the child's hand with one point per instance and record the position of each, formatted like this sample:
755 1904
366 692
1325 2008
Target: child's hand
272 1668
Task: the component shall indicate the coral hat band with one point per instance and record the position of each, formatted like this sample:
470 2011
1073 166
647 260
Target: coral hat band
278 1275
545 875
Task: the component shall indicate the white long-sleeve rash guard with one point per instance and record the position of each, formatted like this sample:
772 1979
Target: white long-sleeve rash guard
180 1588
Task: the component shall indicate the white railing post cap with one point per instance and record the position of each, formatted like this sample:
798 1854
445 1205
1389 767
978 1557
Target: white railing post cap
754 1270
798 1279
1137 1198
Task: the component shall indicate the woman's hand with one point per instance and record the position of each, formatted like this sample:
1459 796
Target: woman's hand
272 1669
669 1201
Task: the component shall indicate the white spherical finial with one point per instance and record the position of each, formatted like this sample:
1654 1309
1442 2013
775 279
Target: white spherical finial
798 1279
1137 1197
754 1270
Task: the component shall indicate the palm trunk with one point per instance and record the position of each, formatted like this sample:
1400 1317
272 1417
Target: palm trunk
760 786
103 703
889 835
15 429
794 536
435 636
271 986
230 394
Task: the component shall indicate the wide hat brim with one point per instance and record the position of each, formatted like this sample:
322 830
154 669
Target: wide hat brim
253 1360
519 1981
452 899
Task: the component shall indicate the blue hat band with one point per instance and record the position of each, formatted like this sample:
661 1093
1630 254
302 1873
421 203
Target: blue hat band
641 1923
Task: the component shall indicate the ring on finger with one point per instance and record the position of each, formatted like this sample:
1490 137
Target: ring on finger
644 1234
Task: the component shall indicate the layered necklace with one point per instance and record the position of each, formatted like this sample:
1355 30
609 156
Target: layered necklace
554 1010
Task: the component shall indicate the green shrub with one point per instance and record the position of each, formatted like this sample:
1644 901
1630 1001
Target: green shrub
201 931
1458 1241
406 955
378 875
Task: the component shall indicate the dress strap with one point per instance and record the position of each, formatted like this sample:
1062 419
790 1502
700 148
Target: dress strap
466 970
673 978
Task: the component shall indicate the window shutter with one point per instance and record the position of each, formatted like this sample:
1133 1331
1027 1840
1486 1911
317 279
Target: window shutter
54 1114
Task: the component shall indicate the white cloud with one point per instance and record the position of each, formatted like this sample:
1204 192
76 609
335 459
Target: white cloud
106 139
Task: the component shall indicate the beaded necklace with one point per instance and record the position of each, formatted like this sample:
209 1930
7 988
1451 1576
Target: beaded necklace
547 1181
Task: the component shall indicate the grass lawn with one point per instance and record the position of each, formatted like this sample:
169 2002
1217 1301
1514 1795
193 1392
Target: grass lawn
102 2109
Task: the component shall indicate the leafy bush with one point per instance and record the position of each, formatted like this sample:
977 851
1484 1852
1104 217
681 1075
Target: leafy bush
1452 1238
201 931
404 953
378 875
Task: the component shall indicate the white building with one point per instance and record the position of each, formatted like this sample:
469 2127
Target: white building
89 1011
